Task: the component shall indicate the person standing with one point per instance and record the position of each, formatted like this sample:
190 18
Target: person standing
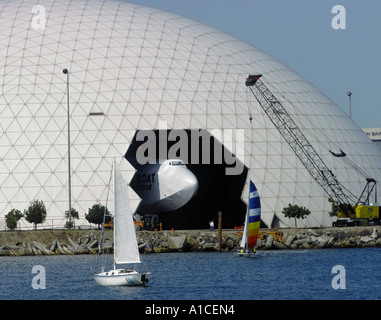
211 225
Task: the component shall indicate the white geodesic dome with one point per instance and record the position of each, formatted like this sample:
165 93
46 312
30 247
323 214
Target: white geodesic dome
138 66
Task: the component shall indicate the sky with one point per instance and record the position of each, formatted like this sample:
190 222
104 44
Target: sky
300 34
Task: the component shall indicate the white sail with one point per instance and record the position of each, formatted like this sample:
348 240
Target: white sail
125 243
244 234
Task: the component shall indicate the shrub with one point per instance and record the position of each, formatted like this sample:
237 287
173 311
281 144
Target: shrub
12 218
36 213
74 215
296 212
96 214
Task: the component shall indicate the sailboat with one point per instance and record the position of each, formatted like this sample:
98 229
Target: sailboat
125 243
252 223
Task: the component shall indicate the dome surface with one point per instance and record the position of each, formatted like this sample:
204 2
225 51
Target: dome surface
133 67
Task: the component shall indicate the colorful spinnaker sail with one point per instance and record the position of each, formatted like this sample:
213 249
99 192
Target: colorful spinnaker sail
254 217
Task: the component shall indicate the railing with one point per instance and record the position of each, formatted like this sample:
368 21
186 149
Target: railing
50 223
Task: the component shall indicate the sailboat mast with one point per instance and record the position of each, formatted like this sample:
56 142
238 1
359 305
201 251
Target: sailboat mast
104 218
114 224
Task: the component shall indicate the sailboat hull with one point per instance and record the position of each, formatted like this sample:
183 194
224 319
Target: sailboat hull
121 277
248 254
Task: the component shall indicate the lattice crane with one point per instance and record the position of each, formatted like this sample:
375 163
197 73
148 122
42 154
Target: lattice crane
299 143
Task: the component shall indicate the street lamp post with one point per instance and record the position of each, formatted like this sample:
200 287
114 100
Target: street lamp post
65 71
349 94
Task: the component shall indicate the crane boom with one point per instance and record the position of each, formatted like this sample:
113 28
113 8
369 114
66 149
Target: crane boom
298 141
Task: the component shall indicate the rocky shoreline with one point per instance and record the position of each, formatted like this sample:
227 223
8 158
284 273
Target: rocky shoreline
53 242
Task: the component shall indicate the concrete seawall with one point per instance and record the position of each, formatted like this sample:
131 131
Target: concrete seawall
52 242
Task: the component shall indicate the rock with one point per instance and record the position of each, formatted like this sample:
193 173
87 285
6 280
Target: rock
20 252
321 242
302 241
91 250
36 251
75 245
54 246
93 244
42 248
313 239
148 250
66 250
313 233
290 240
209 247
278 245
160 249
27 248
230 244
341 236
59 248
366 239
259 243
364 232
177 243
192 243
344 244
306 245
269 242
77 249
374 233
81 250
11 247
4 252
142 245
331 240
301 236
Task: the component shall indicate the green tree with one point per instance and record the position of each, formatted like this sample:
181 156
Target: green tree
295 211
74 215
96 214
36 213
12 218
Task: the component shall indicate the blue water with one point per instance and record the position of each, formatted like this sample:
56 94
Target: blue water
286 274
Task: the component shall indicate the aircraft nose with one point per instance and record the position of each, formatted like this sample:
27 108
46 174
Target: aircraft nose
187 186
190 185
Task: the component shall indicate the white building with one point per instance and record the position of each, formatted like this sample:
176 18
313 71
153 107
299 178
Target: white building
133 67
374 134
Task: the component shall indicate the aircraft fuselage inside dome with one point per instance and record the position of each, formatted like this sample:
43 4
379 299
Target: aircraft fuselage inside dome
180 190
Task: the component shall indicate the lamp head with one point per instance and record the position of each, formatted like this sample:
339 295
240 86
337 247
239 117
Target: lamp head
65 71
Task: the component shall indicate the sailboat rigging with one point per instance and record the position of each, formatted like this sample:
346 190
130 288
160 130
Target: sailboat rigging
252 223
125 242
